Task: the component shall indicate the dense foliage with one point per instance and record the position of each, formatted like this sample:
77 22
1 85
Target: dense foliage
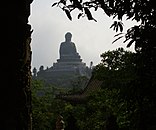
45 108
115 105
127 97
121 96
120 103
141 86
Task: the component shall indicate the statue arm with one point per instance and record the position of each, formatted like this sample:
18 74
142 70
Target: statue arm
74 47
61 48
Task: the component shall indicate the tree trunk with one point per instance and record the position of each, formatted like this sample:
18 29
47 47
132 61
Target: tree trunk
15 66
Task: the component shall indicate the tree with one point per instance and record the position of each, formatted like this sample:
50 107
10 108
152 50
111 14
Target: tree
142 35
117 71
116 65
132 104
143 11
108 105
78 84
118 102
16 32
45 108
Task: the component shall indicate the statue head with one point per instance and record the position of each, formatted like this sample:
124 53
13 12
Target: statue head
68 36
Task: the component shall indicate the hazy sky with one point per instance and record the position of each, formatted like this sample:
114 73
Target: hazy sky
50 24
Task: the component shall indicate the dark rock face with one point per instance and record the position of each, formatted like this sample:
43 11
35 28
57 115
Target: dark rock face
68 67
16 75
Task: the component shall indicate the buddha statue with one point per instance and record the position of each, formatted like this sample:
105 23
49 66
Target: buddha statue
68 49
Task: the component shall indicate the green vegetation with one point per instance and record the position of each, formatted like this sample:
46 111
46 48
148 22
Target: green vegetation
45 108
127 97
120 103
133 77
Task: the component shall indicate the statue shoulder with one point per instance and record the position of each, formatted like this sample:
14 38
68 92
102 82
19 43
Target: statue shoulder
62 43
73 44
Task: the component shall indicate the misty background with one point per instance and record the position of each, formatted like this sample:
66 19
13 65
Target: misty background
50 24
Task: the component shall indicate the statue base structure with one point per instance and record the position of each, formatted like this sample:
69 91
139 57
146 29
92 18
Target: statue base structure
67 68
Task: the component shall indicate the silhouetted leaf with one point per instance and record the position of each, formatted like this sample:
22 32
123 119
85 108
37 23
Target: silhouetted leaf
117 39
63 2
118 34
96 8
54 4
68 14
116 27
77 4
120 24
95 20
88 13
125 40
130 43
114 24
80 14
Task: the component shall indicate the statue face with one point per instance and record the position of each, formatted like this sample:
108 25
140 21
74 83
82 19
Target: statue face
68 36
